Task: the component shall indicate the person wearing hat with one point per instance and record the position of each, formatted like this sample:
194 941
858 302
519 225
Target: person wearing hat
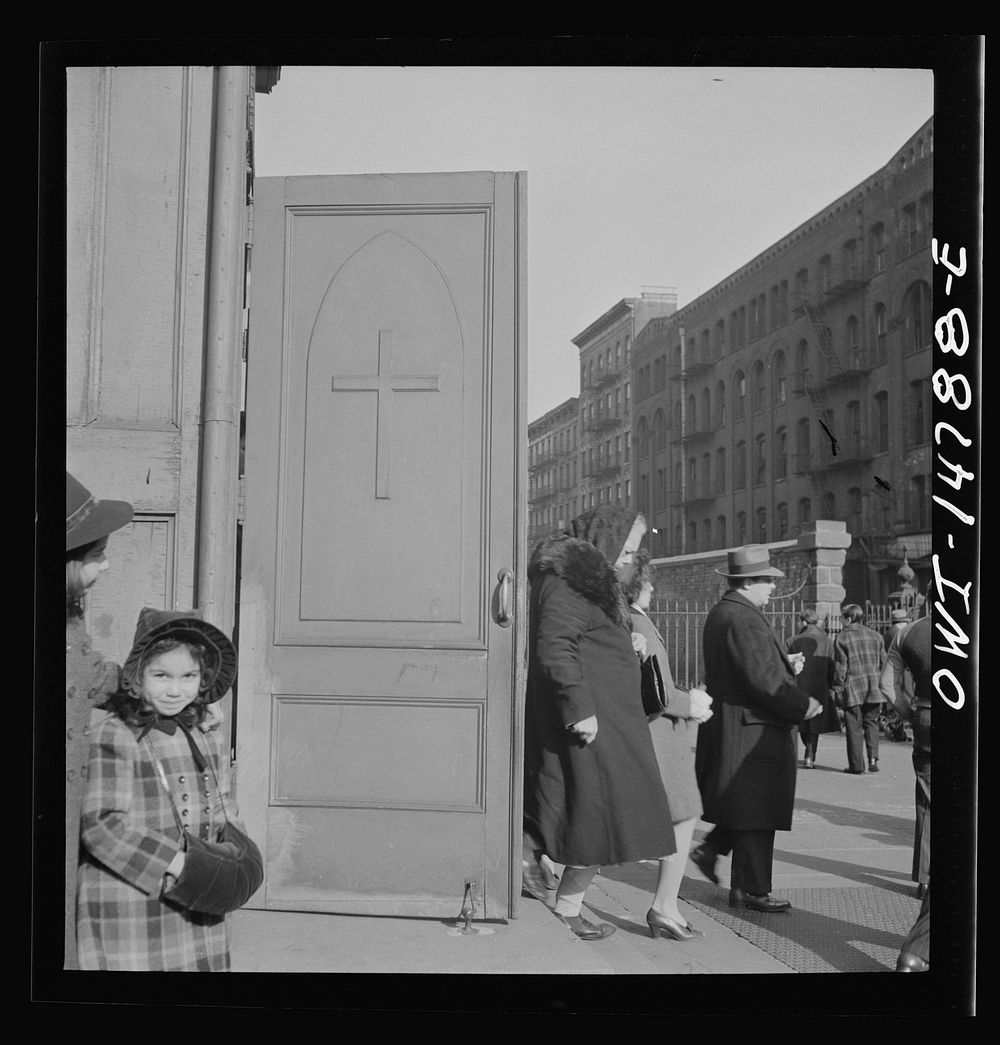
858 659
745 759
815 677
155 881
90 679
893 722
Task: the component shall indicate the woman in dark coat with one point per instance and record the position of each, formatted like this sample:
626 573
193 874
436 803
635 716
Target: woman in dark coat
815 678
593 794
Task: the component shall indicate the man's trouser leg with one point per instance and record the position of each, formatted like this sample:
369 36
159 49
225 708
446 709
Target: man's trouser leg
869 722
855 738
753 855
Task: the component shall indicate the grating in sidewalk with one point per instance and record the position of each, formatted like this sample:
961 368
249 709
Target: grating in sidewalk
857 929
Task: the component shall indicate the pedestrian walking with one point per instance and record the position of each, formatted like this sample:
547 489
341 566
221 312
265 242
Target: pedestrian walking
858 659
675 732
90 679
593 794
816 676
911 645
746 755
155 884
912 648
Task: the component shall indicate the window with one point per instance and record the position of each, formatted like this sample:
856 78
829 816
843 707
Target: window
741 527
692 415
706 473
854 444
720 399
881 332
878 247
805 512
760 462
692 537
917 317
781 453
803 441
692 475
740 466
642 438
661 488
829 505
824 272
780 378
852 332
720 470
741 395
628 485
706 408
659 430
733 343
782 521
720 339
919 514
919 412
627 445
849 259
762 525
854 523
909 230
759 391
802 365
720 532
881 422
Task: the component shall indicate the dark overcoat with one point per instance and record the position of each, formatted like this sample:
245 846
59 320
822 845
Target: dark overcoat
816 677
746 755
600 803
90 681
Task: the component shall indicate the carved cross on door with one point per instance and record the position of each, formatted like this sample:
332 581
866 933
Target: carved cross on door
384 384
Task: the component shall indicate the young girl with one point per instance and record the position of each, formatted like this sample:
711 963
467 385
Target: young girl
90 680
152 773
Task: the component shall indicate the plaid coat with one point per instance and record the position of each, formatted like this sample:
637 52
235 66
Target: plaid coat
129 837
858 659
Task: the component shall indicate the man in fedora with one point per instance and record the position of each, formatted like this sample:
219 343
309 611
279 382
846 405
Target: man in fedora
746 755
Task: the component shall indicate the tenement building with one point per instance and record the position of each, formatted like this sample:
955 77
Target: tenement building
553 442
798 388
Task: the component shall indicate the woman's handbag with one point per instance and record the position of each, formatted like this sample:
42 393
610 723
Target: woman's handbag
217 877
654 700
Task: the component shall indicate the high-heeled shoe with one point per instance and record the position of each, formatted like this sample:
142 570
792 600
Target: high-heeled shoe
682 932
584 929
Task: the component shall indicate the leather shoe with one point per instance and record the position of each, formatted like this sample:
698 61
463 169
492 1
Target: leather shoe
855 772
911 963
766 903
873 766
680 931
807 764
921 890
587 930
704 859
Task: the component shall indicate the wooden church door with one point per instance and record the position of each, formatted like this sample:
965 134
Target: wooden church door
381 619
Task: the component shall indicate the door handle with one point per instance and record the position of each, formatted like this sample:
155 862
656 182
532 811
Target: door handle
505 616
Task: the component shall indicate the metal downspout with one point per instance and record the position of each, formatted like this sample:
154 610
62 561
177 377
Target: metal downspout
215 582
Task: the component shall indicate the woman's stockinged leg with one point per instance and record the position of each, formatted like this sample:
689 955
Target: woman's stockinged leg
671 872
572 886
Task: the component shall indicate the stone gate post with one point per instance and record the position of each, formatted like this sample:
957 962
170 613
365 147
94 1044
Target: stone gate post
824 543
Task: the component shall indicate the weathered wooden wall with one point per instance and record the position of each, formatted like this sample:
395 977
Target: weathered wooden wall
139 184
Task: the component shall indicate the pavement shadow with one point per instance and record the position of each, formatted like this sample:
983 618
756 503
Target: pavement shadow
895 830
852 871
811 941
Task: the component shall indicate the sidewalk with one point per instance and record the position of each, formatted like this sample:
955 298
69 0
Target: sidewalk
845 865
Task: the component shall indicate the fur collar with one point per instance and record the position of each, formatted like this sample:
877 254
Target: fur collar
585 570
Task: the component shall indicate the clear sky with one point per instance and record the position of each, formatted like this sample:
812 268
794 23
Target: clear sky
637 176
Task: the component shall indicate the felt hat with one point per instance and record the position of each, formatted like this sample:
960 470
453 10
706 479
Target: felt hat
187 625
751 561
87 518
899 616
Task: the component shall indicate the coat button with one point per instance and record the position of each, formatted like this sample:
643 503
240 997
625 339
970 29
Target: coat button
184 798
70 692
181 779
69 733
70 774
184 812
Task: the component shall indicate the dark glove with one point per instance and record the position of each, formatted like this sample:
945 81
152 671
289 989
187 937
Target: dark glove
218 877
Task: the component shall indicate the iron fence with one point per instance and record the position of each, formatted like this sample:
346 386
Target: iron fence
681 623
